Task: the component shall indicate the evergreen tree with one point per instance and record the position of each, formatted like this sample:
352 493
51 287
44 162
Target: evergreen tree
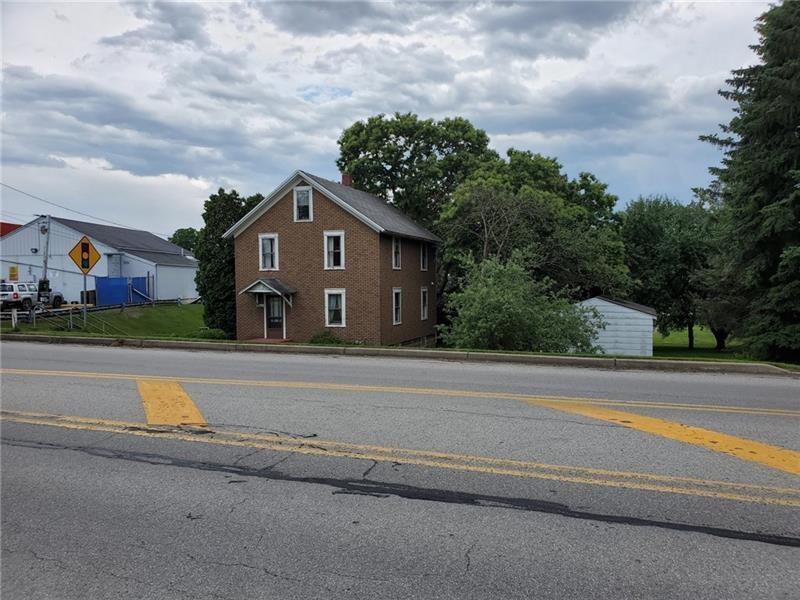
760 185
215 273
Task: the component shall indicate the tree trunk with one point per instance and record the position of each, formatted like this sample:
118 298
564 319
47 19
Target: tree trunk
691 335
721 336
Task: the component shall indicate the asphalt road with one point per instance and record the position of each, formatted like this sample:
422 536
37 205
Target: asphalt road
343 477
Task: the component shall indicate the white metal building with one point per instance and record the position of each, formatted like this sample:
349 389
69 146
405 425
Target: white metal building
629 326
124 253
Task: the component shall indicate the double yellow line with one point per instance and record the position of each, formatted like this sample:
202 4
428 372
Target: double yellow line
417 391
166 403
740 492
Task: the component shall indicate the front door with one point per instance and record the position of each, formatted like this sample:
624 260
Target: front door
274 317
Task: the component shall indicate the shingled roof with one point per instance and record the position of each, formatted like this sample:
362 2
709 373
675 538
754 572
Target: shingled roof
143 244
632 305
375 212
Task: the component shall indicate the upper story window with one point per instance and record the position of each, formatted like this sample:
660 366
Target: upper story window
334 249
335 309
268 251
396 251
423 256
303 204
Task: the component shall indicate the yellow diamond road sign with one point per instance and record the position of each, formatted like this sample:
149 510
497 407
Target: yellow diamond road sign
85 255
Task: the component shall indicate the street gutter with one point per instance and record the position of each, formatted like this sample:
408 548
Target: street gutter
600 362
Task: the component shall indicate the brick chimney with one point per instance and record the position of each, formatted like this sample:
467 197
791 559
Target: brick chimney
347 179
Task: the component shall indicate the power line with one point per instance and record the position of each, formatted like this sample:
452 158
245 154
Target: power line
11 187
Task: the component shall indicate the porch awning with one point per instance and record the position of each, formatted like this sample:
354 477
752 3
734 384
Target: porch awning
271 286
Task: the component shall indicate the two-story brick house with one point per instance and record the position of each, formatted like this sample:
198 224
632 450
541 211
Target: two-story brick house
317 255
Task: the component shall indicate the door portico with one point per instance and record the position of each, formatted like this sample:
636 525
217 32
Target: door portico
275 299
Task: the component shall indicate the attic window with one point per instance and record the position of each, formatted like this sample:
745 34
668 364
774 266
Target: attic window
303 204
396 245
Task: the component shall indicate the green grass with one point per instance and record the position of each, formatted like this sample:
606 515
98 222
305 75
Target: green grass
174 321
676 345
160 321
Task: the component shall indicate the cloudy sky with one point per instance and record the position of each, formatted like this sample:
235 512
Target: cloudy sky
135 112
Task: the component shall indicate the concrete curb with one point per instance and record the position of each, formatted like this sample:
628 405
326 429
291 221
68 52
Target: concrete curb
610 363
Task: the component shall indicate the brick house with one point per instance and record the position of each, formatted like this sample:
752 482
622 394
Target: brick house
318 255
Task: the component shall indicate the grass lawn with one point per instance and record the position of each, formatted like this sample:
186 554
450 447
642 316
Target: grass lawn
186 322
676 345
163 320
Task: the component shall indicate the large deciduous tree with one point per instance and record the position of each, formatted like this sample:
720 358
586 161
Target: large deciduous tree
667 246
416 163
760 186
561 229
215 273
185 237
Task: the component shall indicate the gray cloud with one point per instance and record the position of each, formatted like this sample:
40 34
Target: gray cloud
167 22
558 29
231 99
303 17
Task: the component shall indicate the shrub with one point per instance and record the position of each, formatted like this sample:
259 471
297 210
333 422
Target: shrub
212 334
325 337
501 307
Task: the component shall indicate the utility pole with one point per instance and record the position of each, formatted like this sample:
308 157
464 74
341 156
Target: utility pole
46 248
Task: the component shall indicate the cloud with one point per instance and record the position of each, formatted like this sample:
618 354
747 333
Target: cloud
166 22
242 94
176 200
556 29
342 17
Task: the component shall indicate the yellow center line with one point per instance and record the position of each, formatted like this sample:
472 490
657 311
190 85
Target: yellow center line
442 392
722 490
742 448
166 403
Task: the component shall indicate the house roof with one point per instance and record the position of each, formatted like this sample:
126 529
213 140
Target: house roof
632 305
375 212
269 285
143 244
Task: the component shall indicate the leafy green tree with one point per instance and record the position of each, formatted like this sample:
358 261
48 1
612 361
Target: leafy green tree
720 306
502 308
186 238
565 230
760 185
416 163
667 245
215 273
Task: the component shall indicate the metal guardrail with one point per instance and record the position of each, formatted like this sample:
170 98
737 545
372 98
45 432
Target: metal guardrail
66 319
71 317
65 308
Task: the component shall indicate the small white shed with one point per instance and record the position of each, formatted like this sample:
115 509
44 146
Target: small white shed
629 326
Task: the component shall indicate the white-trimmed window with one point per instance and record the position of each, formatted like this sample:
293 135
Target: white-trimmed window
335 308
334 249
397 306
423 256
423 304
396 250
303 204
268 251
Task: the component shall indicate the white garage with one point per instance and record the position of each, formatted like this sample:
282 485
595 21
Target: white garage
629 326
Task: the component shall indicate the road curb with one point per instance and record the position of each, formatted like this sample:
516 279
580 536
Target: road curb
600 362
